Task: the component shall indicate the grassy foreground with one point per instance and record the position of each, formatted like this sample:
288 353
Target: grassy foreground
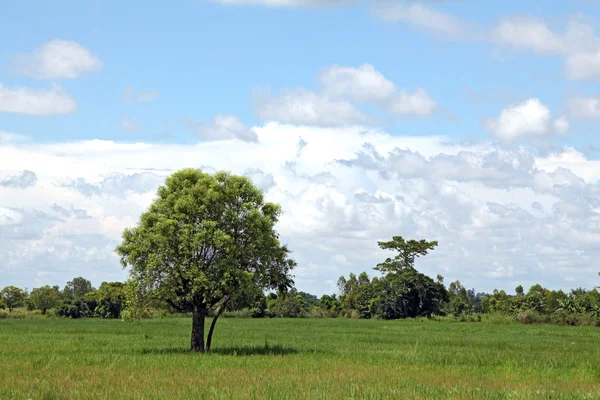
300 358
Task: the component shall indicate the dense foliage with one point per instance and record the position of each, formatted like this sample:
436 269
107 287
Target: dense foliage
405 295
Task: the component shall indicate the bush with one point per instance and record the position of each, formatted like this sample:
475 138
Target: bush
563 317
532 317
243 313
352 314
15 314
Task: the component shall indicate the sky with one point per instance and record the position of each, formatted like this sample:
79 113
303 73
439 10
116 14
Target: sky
476 124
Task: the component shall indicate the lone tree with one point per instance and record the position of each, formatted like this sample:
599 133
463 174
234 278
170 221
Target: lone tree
13 297
407 250
204 241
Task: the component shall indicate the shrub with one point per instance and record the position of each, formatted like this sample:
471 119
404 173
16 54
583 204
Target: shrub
15 314
532 317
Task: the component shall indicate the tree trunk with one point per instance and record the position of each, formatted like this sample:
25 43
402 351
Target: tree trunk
198 317
214 322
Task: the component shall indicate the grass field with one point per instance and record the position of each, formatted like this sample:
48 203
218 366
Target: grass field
299 358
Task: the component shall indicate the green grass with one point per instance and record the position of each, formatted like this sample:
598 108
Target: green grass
297 359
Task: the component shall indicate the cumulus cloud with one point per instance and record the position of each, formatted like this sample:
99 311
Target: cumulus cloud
261 179
116 184
57 59
499 213
584 107
343 90
301 106
38 102
529 118
223 127
364 84
22 180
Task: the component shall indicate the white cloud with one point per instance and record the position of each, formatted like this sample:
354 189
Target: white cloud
421 16
343 89
571 160
418 103
142 96
561 125
495 211
365 84
22 180
578 43
8 137
583 66
529 118
584 107
223 127
301 106
9 217
57 59
128 125
528 33
39 102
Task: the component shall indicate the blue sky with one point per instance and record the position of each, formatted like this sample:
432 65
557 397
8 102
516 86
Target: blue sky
434 77
203 58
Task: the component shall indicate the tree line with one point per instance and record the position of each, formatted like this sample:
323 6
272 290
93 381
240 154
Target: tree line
402 292
207 247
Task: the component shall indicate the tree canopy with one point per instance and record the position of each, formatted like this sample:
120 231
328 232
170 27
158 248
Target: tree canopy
13 297
408 251
205 240
45 297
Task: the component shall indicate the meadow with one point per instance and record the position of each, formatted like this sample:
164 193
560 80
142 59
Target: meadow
297 358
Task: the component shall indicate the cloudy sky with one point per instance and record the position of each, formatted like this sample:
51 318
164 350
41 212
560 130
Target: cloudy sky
476 124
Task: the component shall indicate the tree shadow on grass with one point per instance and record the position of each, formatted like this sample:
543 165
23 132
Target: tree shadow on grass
264 350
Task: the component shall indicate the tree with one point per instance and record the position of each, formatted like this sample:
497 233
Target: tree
13 297
110 298
341 285
407 252
45 297
520 291
77 288
204 239
459 300
409 294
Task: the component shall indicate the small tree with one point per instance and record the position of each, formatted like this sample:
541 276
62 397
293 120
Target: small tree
203 240
44 298
520 291
408 251
13 297
77 288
